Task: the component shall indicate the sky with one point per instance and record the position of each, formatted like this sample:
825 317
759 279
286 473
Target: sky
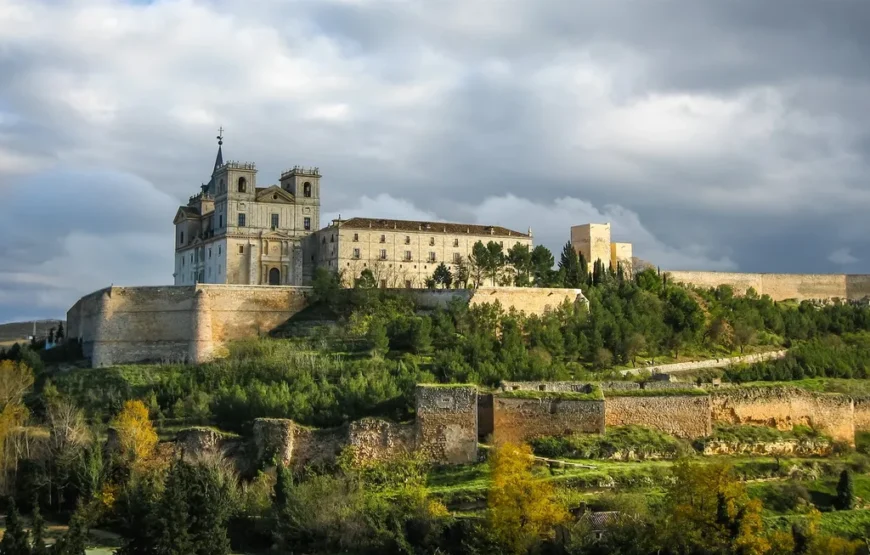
713 135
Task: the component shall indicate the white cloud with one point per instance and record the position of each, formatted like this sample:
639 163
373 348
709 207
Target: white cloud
842 256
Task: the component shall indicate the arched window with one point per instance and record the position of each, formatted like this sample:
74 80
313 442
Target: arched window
243 185
274 276
306 189
223 187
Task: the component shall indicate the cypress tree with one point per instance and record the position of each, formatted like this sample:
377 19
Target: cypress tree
38 532
569 266
845 491
15 539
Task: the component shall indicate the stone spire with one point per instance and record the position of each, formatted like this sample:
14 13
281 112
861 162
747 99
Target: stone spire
219 160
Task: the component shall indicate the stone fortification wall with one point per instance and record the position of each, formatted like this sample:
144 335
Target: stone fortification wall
686 416
523 419
176 323
560 387
783 286
374 439
530 300
784 407
447 422
282 440
862 414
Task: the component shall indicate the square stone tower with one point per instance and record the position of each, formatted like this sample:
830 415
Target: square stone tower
593 242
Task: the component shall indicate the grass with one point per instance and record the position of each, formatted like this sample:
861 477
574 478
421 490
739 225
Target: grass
595 394
846 524
628 441
852 387
761 434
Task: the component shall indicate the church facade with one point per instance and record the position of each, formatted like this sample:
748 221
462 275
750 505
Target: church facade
235 232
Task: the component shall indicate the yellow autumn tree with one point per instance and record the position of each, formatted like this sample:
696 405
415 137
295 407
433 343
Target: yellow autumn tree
709 508
136 435
16 378
523 510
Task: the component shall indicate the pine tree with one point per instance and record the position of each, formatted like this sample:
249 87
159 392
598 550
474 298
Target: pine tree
846 491
569 266
171 516
60 333
15 539
74 541
38 532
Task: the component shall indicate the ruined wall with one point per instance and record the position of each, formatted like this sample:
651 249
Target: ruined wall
862 414
282 440
523 419
783 286
686 416
784 407
678 367
375 439
120 325
447 422
562 387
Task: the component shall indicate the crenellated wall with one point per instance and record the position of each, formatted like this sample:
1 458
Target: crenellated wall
782 286
784 407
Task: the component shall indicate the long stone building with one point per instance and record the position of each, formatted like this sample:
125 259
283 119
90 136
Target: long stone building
235 232
402 253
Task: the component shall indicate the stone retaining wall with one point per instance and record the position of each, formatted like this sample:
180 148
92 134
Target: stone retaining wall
686 416
521 420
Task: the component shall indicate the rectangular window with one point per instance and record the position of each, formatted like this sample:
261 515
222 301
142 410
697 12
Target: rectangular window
219 250
241 220
457 258
383 238
408 283
356 237
181 238
431 241
356 253
219 269
182 262
220 222
407 239
274 221
209 252
456 242
383 254
431 257
307 224
241 249
407 255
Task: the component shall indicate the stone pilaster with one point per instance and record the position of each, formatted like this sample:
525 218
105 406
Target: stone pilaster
101 352
201 347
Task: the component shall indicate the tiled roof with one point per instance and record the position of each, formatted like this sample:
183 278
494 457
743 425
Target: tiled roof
436 227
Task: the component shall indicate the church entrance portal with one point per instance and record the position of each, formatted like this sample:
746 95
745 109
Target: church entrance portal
274 276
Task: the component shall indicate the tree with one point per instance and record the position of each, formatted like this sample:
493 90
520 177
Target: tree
845 491
15 538
520 257
463 273
61 334
494 261
744 335
478 262
366 280
542 262
51 335
377 336
634 345
38 532
522 510
326 287
569 266
135 432
442 276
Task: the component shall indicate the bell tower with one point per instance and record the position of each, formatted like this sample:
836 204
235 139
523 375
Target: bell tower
304 185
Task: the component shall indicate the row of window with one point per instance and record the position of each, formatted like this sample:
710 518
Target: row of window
457 257
408 240
306 222
242 187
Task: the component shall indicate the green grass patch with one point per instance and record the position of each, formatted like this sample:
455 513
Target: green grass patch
852 525
633 442
681 392
594 394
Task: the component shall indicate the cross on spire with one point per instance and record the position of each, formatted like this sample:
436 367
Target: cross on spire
220 136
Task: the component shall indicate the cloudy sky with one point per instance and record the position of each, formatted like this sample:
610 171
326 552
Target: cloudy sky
729 135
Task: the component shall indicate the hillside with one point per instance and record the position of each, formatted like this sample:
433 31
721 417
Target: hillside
19 331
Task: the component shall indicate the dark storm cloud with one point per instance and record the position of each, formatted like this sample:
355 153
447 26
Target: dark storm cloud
713 134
